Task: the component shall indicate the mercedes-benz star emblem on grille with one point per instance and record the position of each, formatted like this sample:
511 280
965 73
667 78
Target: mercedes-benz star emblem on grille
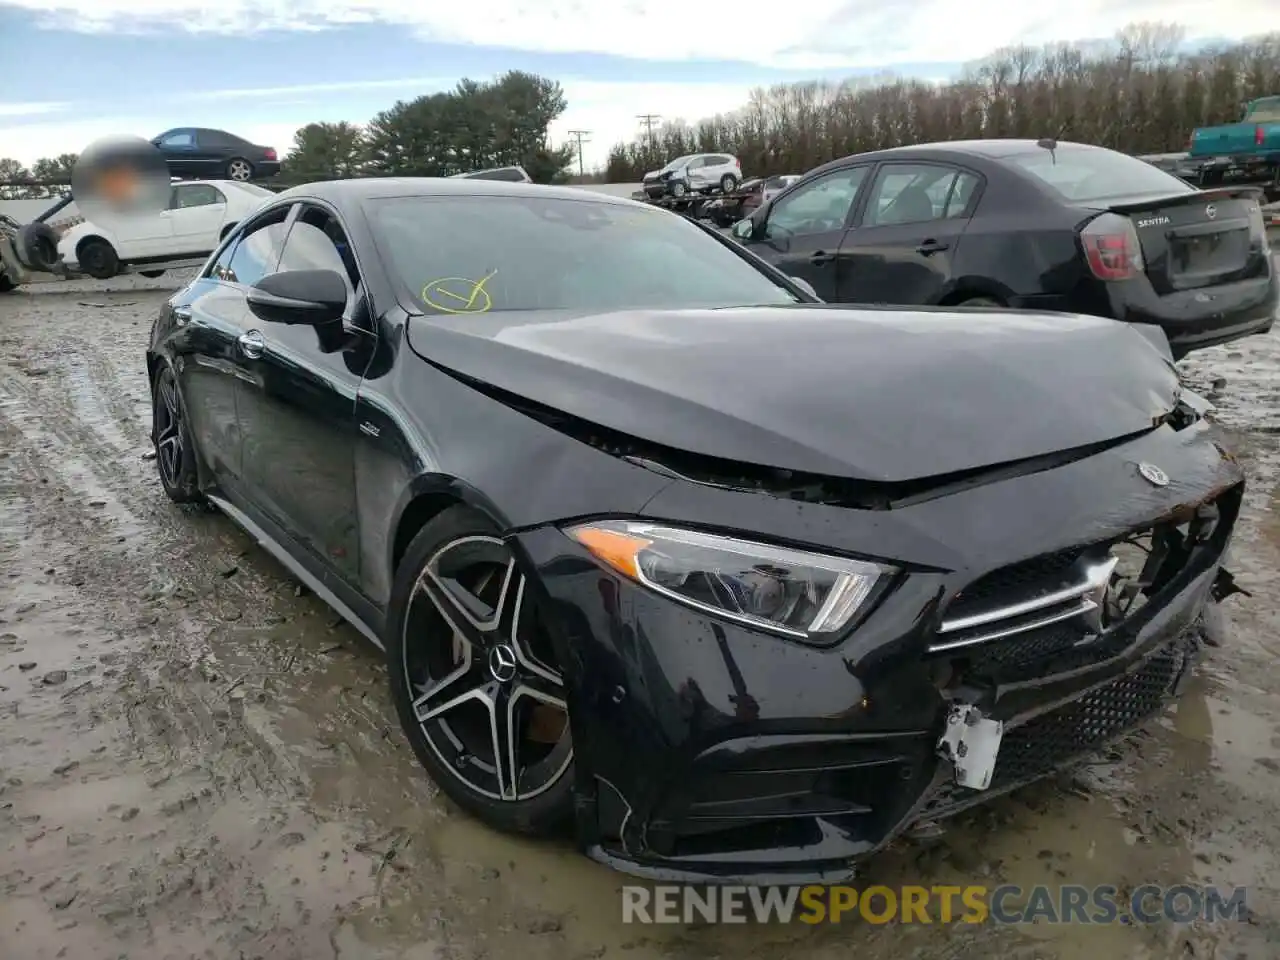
1211 211
1153 474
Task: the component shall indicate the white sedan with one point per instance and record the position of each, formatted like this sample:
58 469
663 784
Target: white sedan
199 215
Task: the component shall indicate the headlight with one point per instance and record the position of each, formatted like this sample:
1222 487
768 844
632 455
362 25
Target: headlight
794 592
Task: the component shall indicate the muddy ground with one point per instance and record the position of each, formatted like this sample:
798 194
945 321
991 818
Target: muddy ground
198 760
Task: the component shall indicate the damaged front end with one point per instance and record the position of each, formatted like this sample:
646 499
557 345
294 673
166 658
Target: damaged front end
1041 610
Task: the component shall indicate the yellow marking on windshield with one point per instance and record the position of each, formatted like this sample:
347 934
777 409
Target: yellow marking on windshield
466 296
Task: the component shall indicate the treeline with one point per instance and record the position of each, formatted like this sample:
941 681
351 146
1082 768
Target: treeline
1141 93
476 125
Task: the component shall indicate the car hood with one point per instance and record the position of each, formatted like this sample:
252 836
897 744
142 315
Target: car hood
868 394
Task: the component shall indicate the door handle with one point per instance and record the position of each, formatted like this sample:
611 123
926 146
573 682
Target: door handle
251 344
182 314
821 257
932 246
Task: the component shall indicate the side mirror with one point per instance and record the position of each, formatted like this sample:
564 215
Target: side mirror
806 286
744 229
311 297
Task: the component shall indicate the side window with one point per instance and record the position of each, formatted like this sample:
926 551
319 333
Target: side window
961 193
179 138
818 206
254 254
195 195
318 242
909 193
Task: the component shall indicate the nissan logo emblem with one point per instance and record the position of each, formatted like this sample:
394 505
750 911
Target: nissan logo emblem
1211 211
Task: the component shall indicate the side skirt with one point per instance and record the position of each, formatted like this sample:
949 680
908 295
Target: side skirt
268 543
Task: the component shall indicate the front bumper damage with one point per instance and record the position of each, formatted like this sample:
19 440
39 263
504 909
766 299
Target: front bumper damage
708 752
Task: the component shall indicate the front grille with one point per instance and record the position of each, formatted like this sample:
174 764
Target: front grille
1017 582
1044 743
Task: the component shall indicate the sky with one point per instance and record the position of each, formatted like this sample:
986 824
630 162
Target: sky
78 71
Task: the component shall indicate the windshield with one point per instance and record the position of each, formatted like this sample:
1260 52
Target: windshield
1086 174
677 162
461 255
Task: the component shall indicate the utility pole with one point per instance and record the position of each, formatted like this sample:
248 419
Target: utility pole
648 120
578 136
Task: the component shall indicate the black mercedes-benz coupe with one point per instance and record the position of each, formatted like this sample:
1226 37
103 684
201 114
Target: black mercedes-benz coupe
1031 224
728 582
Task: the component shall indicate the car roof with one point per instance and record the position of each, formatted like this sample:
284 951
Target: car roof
985 149
352 192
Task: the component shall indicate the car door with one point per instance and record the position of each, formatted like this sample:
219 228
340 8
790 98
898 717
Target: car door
210 317
196 214
142 236
179 149
800 233
695 173
904 243
297 407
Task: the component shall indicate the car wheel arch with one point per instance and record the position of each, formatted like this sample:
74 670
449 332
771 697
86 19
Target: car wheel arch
426 498
89 237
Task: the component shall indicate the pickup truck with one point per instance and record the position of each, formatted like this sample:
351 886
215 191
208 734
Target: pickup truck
1249 149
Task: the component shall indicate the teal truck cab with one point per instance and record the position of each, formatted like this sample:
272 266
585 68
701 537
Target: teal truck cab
1248 150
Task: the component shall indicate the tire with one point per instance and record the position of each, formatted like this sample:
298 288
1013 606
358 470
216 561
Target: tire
97 258
6 285
678 189
981 302
151 274
239 169
496 668
36 246
175 454
728 183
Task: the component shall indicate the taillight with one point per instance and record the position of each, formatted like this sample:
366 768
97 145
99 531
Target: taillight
1111 248
738 163
1259 135
269 153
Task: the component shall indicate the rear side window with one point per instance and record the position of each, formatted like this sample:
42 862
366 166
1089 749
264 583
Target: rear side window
1087 174
1265 111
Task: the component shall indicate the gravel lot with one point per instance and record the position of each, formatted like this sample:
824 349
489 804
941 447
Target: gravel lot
198 760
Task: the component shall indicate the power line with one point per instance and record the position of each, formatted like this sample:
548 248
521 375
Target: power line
578 136
648 120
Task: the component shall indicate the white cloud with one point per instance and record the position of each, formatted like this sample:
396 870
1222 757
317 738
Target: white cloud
418 84
827 33
30 109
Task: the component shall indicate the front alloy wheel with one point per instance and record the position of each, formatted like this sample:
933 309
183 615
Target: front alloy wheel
477 685
175 457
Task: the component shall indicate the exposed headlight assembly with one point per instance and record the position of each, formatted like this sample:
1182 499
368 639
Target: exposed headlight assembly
793 592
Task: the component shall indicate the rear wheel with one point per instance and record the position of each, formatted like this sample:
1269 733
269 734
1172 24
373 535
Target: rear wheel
239 169
478 688
981 302
97 258
728 183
